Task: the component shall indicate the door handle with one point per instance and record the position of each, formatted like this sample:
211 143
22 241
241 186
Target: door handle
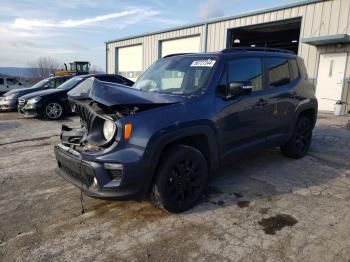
260 104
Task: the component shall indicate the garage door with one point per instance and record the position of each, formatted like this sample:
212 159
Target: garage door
129 61
183 45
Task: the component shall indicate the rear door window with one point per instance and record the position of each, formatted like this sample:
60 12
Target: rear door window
51 84
60 81
246 69
277 71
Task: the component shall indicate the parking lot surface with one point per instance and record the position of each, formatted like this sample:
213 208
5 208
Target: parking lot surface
263 208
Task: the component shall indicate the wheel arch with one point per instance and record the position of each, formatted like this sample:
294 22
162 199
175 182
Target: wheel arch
201 137
308 110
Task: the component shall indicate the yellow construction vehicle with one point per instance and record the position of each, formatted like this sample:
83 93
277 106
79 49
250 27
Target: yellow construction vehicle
76 68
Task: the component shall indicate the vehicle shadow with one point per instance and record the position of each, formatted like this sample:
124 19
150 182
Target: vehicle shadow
268 173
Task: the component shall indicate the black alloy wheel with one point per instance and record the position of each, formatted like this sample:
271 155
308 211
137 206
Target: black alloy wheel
300 142
180 180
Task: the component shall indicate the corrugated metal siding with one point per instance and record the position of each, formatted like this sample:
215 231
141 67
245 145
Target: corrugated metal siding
318 19
150 45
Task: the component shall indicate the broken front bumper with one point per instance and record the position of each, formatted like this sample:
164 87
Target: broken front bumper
29 110
7 105
96 179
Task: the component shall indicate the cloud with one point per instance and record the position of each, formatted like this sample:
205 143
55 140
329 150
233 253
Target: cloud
70 29
22 23
211 9
138 18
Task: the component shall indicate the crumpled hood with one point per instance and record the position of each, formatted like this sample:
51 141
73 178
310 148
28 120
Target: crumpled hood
43 93
111 94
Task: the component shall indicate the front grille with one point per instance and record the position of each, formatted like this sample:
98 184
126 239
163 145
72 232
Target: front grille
21 102
86 115
84 180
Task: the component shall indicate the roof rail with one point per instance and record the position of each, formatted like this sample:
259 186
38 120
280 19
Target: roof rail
177 54
261 49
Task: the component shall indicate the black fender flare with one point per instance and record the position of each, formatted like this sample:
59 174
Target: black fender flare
307 105
164 137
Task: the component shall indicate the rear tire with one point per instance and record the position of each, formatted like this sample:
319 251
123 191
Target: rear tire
52 110
181 178
299 144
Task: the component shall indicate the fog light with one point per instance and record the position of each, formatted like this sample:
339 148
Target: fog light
114 170
115 174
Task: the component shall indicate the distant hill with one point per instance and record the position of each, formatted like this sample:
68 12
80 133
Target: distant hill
15 71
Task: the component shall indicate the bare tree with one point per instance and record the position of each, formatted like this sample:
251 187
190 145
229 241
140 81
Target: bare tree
43 67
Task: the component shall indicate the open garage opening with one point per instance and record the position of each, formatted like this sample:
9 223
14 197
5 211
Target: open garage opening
282 34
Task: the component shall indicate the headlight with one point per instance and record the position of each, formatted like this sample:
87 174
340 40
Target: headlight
10 97
34 100
108 130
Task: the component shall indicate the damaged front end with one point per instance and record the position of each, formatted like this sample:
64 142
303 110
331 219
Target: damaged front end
96 156
107 104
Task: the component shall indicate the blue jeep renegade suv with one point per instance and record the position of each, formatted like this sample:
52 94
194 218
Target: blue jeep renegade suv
185 116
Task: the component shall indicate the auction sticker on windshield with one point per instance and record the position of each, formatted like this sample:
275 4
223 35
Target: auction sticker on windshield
203 63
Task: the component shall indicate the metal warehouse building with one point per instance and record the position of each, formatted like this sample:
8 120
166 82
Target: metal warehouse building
318 31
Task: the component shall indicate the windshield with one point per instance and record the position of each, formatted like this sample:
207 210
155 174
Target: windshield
41 83
176 75
70 83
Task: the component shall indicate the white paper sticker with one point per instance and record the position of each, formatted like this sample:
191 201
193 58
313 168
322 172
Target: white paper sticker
203 63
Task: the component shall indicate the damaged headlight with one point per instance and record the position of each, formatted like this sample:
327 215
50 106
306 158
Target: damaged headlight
108 130
34 100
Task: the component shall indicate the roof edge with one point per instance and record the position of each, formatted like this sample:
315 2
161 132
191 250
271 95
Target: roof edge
241 15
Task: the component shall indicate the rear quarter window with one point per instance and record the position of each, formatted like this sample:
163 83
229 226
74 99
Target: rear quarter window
294 69
302 68
277 71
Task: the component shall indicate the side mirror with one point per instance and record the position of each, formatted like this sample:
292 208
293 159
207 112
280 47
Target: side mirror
239 88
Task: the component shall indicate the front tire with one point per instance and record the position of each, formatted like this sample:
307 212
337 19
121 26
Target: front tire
52 110
181 179
299 144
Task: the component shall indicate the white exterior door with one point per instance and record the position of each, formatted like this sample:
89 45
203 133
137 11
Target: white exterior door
190 44
330 80
129 61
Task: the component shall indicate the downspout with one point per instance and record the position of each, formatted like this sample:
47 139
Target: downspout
205 38
106 58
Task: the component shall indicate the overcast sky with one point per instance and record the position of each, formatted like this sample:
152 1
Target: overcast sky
77 29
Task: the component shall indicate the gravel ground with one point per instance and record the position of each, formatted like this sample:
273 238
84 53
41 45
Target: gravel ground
264 208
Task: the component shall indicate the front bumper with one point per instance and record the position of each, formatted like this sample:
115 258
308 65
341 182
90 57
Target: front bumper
29 110
93 177
7 105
